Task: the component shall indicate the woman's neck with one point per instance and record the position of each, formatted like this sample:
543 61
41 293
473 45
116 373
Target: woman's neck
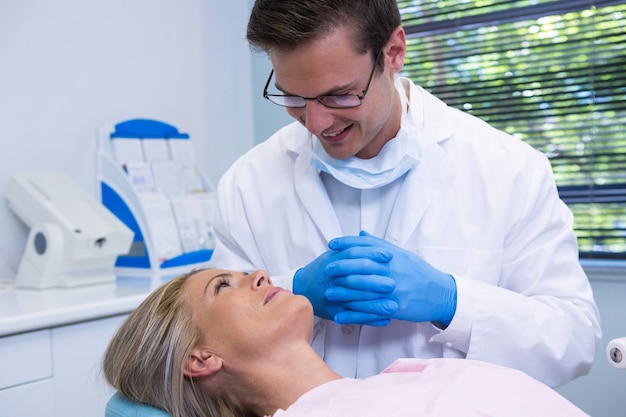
278 382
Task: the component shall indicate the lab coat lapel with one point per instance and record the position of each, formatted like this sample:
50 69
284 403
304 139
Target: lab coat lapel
423 182
312 193
417 192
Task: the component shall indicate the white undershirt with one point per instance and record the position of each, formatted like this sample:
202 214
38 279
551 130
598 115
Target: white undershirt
356 210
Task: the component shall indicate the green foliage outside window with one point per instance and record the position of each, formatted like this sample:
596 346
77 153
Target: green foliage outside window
551 73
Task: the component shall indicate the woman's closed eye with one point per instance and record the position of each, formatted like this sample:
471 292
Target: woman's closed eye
220 284
224 280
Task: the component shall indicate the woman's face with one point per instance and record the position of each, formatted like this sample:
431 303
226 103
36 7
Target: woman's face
243 315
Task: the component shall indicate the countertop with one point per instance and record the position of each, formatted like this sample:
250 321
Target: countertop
23 310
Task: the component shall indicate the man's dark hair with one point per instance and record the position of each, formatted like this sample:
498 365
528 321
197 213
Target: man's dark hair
289 24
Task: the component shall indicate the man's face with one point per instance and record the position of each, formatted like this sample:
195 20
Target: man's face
331 66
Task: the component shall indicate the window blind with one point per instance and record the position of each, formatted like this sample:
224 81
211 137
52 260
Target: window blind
551 73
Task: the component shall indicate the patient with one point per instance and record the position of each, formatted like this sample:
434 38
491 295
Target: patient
223 343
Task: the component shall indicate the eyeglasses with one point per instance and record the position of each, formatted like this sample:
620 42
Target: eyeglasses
342 101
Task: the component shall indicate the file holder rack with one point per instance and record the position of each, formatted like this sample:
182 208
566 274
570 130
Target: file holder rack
128 196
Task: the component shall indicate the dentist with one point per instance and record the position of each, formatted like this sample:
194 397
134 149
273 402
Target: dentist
415 230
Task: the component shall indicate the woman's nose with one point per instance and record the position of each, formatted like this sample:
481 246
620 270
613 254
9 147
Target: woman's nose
261 279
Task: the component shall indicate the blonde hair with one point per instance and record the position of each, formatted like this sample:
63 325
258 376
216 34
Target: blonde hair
144 361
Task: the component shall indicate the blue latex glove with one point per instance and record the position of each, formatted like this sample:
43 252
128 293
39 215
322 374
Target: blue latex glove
345 272
422 293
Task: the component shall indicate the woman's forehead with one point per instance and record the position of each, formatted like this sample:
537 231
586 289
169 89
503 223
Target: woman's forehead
198 279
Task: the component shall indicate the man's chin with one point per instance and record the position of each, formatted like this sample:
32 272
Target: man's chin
338 150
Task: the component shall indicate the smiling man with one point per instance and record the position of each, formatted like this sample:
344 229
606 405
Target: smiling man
415 230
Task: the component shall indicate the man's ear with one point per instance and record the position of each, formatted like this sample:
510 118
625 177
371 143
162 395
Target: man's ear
395 49
201 363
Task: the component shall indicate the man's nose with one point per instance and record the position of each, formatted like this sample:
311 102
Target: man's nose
317 117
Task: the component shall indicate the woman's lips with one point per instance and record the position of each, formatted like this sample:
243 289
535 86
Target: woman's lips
271 293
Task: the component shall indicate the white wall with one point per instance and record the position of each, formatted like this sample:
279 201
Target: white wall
601 392
69 66
268 117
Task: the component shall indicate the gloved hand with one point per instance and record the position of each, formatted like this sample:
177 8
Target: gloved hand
342 271
422 293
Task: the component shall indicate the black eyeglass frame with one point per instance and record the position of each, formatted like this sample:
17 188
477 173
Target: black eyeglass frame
320 99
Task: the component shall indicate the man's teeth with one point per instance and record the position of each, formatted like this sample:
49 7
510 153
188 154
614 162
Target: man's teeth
332 135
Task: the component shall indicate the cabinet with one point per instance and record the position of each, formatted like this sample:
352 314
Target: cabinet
79 387
51 349
26 374
33 399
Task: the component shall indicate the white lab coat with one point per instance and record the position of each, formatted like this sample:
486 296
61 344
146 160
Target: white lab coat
479 205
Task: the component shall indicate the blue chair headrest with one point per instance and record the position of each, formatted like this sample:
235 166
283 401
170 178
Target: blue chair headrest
120 406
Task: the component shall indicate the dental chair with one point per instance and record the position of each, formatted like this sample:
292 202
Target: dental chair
119 406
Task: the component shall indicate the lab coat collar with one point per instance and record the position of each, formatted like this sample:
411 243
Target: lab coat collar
431 115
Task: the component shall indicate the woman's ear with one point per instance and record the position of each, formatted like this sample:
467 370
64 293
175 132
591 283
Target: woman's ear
201 363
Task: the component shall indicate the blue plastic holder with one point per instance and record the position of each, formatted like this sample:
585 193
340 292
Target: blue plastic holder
118 194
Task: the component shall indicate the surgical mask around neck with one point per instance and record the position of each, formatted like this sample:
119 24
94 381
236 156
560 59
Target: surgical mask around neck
395 159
